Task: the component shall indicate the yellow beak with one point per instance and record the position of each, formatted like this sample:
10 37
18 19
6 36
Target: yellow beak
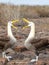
25 20
14 22
14 26
25 27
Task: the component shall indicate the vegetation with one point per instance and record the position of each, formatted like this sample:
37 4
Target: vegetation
10 12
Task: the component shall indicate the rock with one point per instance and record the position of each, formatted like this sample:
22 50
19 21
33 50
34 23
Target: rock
24 62
47 62
19 56
20 49
11 63
43 56
3 61
39 62
18 37
19 62
9 51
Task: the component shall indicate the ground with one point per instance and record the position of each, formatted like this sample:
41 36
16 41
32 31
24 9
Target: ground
23 58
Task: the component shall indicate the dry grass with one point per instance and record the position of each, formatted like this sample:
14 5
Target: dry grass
10 12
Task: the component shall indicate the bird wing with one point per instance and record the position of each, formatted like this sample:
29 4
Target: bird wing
39 43
33 41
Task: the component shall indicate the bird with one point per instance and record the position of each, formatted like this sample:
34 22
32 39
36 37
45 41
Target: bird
32 43
10 41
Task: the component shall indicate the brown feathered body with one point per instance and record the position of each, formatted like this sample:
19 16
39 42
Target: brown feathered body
39 43
5 43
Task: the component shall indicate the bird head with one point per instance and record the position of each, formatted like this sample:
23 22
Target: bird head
29 23
11 23
14 22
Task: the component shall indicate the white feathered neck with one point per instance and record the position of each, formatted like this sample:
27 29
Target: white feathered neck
32 33
9 31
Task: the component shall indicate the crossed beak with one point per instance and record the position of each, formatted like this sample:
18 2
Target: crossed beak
14 22
25 20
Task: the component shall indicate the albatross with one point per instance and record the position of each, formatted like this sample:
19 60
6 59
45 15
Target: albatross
12 42
32 43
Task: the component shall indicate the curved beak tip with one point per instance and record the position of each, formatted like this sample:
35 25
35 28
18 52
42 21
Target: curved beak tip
25 27
14 27
25 20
